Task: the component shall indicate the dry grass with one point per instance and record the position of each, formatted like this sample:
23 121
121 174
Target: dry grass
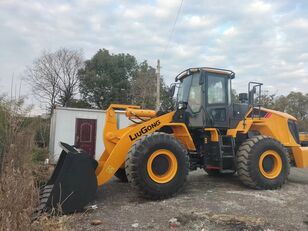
52 223
19 191
18 194
19 183
18 197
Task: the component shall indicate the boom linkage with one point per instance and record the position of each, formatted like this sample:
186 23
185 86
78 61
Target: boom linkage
118 141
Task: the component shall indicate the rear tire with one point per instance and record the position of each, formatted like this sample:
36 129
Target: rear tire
263 163
121 175
157 166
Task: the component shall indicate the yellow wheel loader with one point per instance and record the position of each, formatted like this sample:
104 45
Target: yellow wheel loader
207 131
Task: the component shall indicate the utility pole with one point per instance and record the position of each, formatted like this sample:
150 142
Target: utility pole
158 85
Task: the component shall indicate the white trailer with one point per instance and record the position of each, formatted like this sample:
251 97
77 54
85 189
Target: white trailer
80 127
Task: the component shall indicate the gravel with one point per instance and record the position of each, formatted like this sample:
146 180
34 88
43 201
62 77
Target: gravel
206 203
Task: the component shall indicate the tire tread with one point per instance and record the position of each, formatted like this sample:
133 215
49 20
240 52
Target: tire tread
245 166
137 150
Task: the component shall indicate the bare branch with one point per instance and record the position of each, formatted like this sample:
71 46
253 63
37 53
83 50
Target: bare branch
53 76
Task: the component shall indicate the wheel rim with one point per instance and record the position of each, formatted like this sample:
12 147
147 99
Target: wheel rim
270 164
162 166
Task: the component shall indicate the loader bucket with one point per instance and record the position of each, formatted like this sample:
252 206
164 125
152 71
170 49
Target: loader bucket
72 185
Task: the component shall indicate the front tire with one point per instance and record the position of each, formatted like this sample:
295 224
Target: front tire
263 163
157 165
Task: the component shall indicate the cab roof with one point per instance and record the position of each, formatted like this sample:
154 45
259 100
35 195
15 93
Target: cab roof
190 71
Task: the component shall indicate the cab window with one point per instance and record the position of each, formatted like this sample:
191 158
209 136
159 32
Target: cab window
195 93
184 90
216 89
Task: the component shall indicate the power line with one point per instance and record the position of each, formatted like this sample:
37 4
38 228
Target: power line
173 27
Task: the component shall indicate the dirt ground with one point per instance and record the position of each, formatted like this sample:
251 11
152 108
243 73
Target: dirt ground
206 203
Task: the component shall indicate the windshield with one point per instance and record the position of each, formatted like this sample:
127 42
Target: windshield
218 90
184 90
190 91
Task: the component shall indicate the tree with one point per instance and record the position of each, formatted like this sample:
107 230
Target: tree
143 86
106 78
70 61
267 100
53 76
79 103
143 89
118 78
167 101
234 96
296 104
280 103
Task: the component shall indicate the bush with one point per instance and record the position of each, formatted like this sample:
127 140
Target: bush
19 178
18 189
42 132
39 154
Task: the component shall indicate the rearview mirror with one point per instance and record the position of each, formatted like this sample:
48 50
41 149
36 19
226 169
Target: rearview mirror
171 90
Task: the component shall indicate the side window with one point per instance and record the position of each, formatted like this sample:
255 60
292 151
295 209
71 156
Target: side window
216 89
184 90
195 94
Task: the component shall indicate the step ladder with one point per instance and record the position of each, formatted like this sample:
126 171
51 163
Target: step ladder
226 152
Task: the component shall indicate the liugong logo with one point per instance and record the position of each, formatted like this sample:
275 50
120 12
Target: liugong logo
144 130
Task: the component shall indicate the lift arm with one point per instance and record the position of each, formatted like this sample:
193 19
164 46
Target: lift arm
119 141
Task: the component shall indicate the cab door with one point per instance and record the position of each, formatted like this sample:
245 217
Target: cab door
217 99
195 101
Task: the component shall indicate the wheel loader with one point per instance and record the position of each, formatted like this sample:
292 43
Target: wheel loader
158 150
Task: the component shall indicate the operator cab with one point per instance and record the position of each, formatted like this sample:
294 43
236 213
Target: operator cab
204 98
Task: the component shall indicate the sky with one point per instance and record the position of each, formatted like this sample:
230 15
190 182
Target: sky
264 41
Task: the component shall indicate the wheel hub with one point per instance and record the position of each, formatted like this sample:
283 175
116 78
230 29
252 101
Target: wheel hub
270 164
162 166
